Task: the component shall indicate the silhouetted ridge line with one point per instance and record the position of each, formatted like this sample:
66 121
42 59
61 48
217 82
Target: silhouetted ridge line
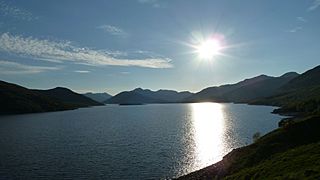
15 99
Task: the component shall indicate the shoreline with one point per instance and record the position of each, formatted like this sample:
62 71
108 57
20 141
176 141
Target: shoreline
137 104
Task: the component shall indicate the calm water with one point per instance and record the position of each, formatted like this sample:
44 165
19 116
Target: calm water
126 142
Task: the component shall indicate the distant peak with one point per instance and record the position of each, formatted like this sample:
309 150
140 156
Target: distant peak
258 78
290 74
60 88
165 90
138 89
141 90
263 76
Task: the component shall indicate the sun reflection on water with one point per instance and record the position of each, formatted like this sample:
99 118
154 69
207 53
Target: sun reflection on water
208 130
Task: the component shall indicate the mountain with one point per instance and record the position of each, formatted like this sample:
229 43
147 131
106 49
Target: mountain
146 96
15 99
260 89
301 94
164 95
307 79
99 97
217 93
243 91
67 96
130 97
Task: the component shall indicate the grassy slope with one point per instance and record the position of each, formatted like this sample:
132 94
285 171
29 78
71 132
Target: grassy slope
269 148
298 163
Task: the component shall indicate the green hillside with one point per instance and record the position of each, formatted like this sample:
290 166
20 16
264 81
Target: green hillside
297 163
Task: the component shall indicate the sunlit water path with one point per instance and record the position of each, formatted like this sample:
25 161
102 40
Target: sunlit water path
126 142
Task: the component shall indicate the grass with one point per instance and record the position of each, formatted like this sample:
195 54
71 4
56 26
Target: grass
298 163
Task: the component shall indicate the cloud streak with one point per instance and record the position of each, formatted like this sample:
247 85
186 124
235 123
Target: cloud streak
294 30
113 30
314 6
64 51
15 12
301 19
81 71
9 67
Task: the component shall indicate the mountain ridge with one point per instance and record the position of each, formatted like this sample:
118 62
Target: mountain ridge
143 96
309 78
68 96
243 91
16 99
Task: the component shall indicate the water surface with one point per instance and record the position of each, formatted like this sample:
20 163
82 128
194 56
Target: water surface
126 142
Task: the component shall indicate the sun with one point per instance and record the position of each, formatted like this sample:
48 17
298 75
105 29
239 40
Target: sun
209 48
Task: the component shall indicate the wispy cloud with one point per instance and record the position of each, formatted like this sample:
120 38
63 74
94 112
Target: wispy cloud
295 29
125 72
153 3
315 5
113 30
9 67
15 12
301 19
47 50
81 71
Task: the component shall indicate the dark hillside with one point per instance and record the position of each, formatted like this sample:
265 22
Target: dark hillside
67 96
307 79
17 99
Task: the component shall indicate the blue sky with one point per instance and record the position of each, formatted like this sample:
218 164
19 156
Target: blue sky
117 45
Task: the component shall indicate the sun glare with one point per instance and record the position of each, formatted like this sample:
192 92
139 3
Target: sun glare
208 49
208 122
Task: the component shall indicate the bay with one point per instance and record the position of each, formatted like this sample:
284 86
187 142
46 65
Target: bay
155 141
